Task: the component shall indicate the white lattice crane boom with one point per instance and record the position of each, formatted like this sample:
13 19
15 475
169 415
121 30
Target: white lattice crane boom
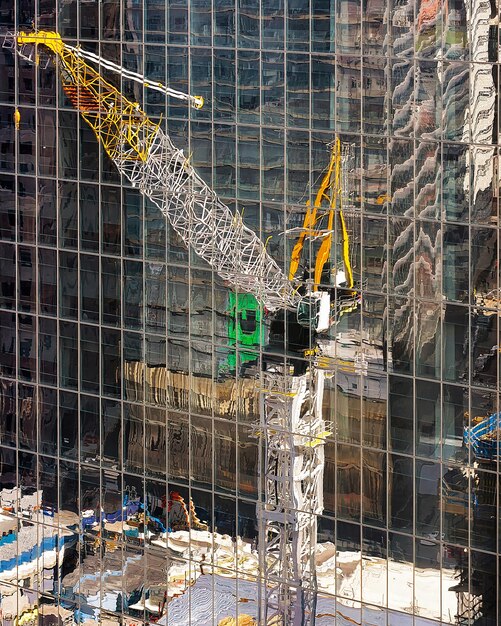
145 155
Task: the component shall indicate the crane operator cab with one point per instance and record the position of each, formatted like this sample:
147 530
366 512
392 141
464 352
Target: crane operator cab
313 311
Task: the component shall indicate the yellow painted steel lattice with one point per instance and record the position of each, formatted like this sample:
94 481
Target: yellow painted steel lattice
120 125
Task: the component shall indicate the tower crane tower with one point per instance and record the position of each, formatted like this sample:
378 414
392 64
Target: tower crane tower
291 422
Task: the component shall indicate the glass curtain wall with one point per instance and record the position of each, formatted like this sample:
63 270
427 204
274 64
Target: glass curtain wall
132 454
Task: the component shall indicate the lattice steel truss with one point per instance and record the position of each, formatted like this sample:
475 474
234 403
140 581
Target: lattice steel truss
145 155
291 411
294 432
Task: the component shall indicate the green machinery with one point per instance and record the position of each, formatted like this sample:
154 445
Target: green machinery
246 332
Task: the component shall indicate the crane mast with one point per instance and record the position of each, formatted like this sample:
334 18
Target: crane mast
291 422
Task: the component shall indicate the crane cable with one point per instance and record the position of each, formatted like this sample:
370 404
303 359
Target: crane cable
196 101
54 42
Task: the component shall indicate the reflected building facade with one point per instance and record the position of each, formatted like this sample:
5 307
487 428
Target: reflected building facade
131 461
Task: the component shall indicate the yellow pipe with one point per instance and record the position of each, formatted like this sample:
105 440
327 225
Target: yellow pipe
50 39
311 219
346 250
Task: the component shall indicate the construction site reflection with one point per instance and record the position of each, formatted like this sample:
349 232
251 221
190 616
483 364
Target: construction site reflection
93 554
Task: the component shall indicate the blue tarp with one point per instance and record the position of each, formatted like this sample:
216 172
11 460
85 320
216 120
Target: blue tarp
47 544
484 448
7 539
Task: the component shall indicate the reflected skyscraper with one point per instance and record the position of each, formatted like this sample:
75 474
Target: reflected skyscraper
250 350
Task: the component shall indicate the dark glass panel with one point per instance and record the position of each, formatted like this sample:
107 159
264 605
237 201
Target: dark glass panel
89 429
48 483
177 78
111 219
8 413
47 350
298 25
225 161
224 23
26 199
132 212
7 276
7 207
298 166
7 343
248 163
47 142
89 20
248 23
401 414
272 89
401 493
133 295
428 419
68 284
133 452
68 214
177 21
68 351
456 343
27 267
89 288
89 358
68 425
273 164
111 281
428 486
248 87
46 206
110 19
111 429
68 152
89 217
224 85
110 363
298 90
27 365
47 281
47 419
155 442
155 21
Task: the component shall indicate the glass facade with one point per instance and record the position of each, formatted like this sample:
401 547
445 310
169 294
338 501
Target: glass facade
134 448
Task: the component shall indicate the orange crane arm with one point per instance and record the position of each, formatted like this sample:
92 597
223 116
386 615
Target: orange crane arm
330 181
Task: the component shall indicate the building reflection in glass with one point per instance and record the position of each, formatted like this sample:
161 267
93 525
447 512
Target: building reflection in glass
130 459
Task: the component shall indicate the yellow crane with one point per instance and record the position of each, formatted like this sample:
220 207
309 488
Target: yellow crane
330 194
